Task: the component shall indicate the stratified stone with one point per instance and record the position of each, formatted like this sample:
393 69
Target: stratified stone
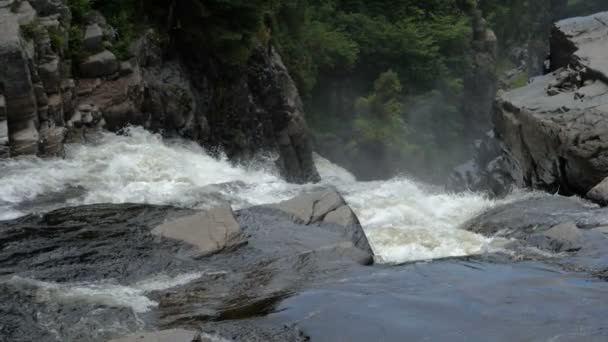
16 84
554 130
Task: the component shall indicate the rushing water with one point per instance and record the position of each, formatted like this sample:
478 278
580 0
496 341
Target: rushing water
404 220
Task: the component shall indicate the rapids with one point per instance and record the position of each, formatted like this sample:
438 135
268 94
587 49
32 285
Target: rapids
404 220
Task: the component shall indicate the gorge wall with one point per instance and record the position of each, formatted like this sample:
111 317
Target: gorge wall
552 132
48 97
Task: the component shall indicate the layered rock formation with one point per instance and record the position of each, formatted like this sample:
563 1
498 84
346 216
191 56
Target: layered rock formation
552 132
240 110
31 79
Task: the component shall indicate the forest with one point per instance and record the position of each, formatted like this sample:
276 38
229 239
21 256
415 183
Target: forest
384 78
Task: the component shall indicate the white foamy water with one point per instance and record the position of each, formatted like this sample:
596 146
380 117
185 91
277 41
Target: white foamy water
109 294
403 220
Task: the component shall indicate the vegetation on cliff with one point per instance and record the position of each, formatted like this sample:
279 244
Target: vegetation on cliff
338 51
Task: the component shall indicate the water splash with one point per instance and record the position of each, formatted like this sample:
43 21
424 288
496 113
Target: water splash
404 220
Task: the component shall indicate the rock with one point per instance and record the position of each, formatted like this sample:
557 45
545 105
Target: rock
49 75
15 76
343 216
93 39
328 208
520 219
564 237
488 171
126 68
599 193
554 130
25 13
173 335
580 41
120 101
210 231
99 65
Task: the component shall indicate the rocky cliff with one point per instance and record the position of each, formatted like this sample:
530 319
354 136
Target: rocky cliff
554 129
47 98
552 133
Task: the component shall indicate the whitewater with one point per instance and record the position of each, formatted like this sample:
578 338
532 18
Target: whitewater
403 219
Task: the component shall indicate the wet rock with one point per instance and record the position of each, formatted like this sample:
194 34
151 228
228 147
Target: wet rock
564 237
99 65
537 214
599 193
210 231
326 207
173 335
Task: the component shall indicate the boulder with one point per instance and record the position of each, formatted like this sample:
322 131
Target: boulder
599 193
554 131
93 39
563 237
328 208
210 231
173 335
99 65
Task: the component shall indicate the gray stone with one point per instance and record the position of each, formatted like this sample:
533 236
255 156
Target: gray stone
311 208
326 208
343 216
49 75
210 231
126 68
564 237
99 65
173 335
554 130
93 38
15 78
25 13
599 193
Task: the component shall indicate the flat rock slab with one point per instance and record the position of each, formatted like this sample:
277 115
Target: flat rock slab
210 231
587 36
173 335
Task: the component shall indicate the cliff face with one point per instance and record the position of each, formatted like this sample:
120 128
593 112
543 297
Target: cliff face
552 133
242 110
